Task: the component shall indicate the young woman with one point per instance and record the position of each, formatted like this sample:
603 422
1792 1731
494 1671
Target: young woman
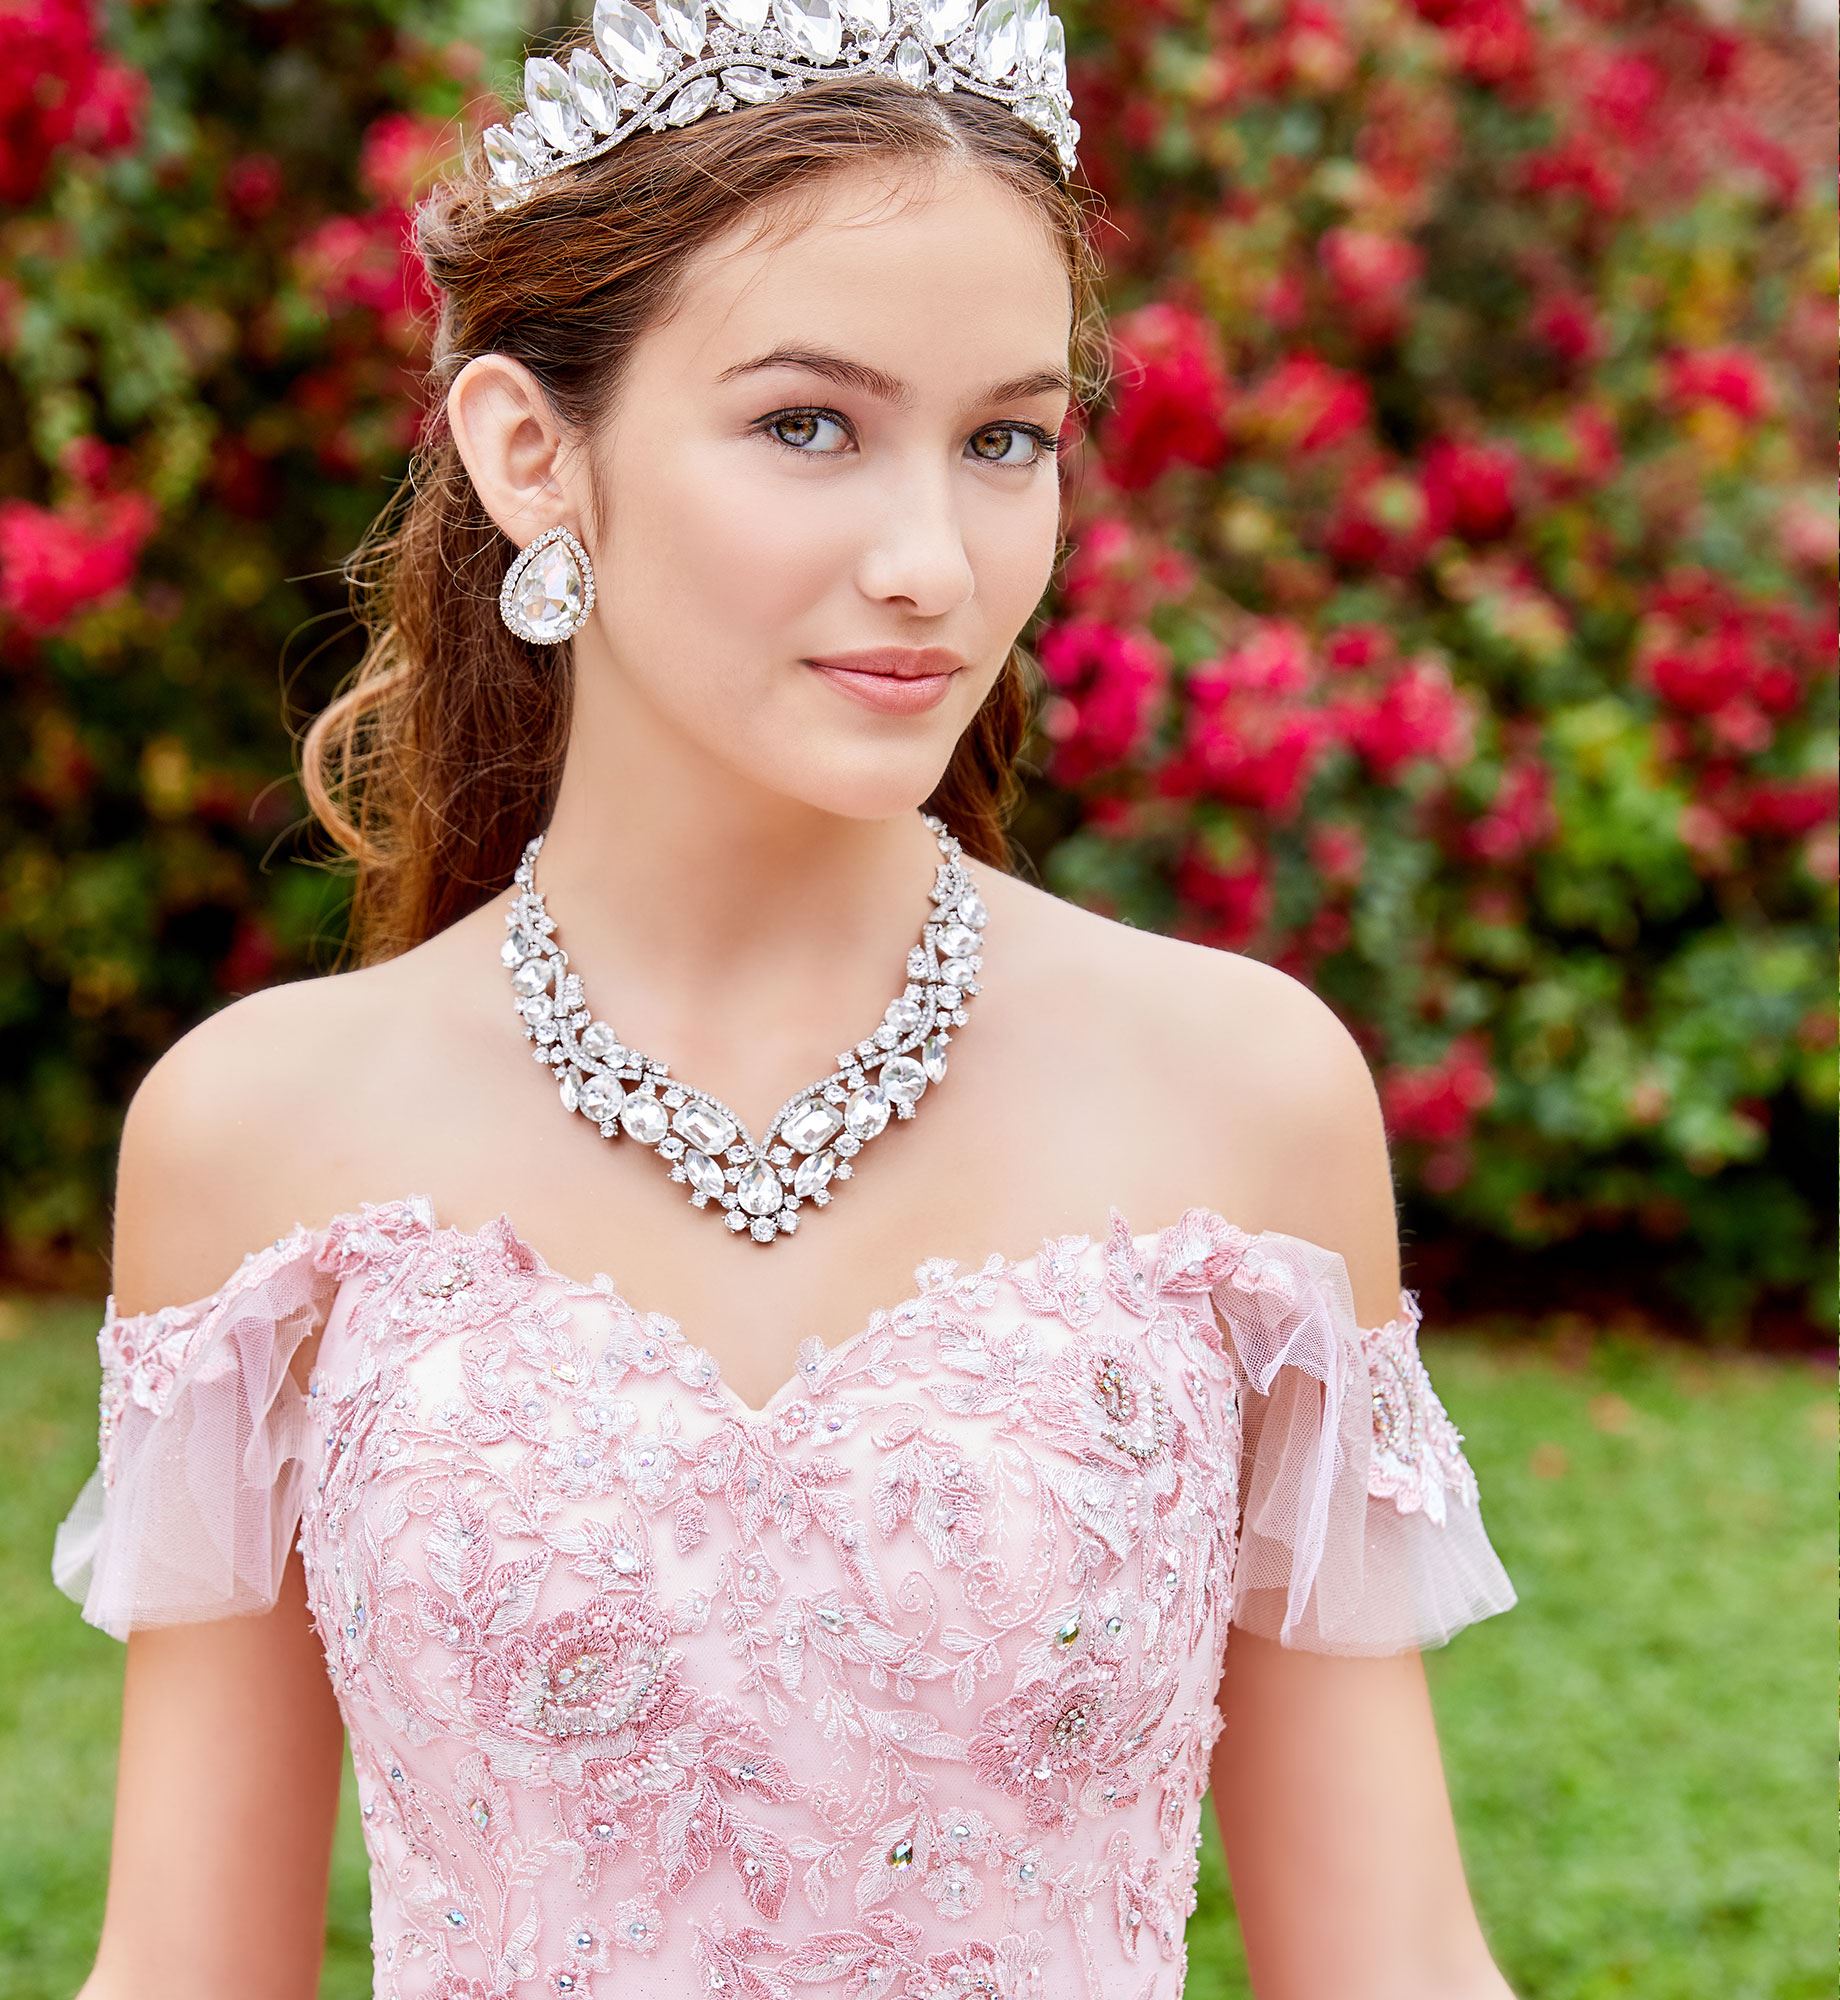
803 1344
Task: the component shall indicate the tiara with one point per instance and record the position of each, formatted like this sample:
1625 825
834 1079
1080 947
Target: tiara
667 68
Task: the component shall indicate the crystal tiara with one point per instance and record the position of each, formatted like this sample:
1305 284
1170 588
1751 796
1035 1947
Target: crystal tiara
668 67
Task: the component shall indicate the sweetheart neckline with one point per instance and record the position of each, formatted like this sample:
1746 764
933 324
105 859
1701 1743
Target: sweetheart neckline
422 1208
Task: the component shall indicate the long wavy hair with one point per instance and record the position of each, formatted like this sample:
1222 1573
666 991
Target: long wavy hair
441 754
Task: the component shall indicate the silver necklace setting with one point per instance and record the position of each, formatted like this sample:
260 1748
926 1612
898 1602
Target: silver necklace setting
759 1187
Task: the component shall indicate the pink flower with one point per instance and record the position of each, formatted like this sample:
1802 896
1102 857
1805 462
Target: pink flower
1726 377
1419 713
1490 40
1305 405
1170 396
1049 1737
1107 684
1569 324
1371 273
400 153
1521 817
52 564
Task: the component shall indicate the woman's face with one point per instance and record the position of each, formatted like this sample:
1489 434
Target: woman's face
839 442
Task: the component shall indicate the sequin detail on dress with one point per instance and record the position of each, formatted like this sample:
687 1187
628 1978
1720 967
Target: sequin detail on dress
900 1685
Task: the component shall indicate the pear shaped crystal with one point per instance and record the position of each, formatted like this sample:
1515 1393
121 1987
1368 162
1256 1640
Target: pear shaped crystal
691 101
751 85
502 156
910 63
686 22
813 27
997 39
549 97
544 591
630 41
595 90
758 1190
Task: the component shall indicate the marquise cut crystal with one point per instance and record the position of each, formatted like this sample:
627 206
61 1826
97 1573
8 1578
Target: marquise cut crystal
808 1150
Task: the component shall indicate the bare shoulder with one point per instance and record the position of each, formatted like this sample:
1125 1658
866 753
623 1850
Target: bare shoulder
1265 1082
215 1136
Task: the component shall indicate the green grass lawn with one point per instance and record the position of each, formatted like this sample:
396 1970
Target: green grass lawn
1640 1753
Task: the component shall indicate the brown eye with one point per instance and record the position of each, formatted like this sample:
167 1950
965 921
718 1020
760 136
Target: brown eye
1006 436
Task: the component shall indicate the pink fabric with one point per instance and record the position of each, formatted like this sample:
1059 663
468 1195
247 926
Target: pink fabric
901 1686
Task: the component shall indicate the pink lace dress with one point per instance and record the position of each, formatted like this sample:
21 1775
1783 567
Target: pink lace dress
902 1685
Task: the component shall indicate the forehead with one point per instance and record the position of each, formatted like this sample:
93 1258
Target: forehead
926 275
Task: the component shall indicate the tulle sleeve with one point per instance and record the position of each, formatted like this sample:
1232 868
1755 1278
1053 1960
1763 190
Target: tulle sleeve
202 1448
1361 1526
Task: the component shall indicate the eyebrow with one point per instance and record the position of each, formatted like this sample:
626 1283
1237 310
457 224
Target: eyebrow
888 388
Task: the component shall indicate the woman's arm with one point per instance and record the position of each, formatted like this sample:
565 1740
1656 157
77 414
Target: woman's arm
1327 1778
231 1742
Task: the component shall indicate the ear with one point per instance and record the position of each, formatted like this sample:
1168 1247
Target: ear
512 446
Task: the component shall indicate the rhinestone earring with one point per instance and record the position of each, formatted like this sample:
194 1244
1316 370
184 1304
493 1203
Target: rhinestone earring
549 590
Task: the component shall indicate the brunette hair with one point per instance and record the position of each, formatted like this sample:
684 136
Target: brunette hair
441 755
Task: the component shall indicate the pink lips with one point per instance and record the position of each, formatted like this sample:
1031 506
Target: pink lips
898 680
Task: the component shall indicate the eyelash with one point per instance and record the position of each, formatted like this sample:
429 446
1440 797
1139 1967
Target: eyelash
1046 445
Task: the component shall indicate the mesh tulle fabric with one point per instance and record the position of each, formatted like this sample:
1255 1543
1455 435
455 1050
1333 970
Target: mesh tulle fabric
1361 1529
203 1447
903 1683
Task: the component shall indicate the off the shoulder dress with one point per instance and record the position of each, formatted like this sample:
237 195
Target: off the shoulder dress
901 1686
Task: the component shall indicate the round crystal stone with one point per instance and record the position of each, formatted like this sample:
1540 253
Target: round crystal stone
957 971
548 594
903 1014
867 1111
759 1190
903 1079
644 1118
811 1125
530 978
971 910
601 1097
598 1040
959 941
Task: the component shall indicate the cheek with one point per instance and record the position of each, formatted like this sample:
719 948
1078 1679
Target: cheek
712 544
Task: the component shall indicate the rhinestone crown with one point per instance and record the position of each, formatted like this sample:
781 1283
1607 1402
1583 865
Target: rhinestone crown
668 67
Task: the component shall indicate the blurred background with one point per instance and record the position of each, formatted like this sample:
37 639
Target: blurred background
1450 621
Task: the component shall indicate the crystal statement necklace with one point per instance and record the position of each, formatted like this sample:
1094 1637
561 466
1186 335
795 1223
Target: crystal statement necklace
760 1186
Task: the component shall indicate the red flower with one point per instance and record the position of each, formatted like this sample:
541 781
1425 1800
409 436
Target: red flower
1234 903
52 564
1520 818
1107 684
1171 396
1439 1101
1470 489
57 89
1250 739
400 155
1305 405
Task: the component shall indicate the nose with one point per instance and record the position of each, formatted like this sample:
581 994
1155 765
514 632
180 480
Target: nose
916 553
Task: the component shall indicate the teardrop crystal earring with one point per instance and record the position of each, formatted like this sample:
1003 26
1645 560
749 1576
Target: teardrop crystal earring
549 590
